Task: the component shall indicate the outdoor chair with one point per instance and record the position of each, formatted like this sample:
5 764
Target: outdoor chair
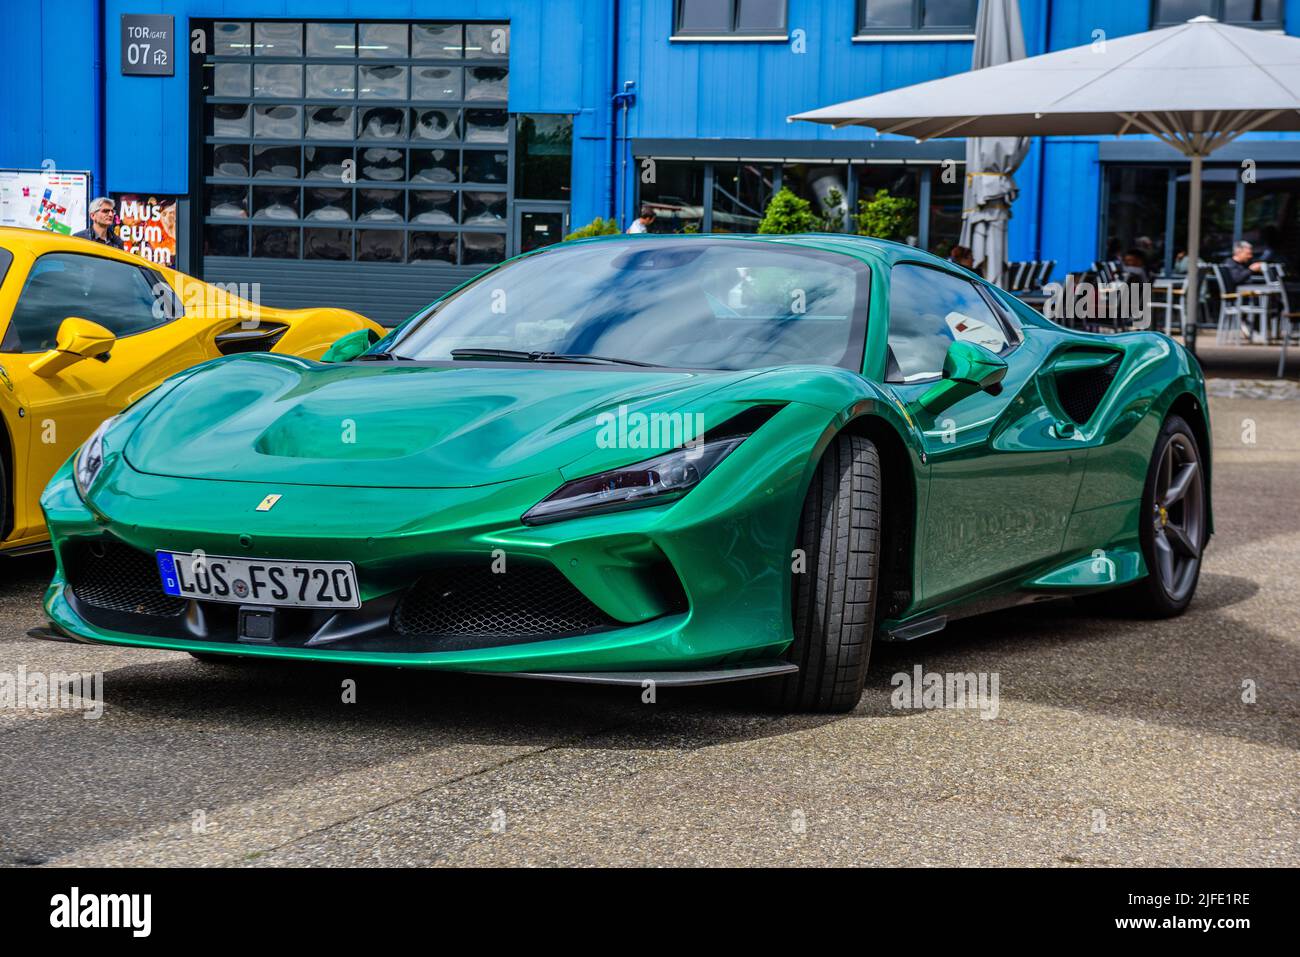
1231 313
1044 273
1286 317
1013 277
1173 302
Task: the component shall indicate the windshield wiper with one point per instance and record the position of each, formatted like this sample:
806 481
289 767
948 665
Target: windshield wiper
514 354
518 355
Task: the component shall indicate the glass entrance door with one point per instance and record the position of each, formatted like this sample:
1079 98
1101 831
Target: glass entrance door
539 224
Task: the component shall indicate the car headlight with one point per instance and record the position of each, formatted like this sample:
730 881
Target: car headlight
90 457
664 478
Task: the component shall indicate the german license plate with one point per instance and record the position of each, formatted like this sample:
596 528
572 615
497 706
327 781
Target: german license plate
253 581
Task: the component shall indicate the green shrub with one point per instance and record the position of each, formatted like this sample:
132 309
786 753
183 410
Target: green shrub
886 217
597 227
787 214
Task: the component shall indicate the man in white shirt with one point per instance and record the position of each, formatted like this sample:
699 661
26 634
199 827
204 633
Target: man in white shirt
643 222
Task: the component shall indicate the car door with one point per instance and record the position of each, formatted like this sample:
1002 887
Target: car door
135 304
1002 484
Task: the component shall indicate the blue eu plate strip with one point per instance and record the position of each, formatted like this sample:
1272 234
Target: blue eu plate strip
167 566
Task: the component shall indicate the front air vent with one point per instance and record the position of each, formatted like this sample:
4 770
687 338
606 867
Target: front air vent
530 602
117 577
1081 391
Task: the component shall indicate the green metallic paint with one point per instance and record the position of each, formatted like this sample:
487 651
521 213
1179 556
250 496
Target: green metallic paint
1008 505
352 346
967 369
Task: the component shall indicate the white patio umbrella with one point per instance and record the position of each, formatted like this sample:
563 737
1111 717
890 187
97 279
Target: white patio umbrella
1196 87
991 162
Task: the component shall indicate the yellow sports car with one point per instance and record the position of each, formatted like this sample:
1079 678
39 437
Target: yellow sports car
86 329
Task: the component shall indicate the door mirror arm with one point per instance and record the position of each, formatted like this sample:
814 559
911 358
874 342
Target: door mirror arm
967 369
76 339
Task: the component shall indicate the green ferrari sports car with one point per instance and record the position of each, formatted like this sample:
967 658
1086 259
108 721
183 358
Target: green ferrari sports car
679 459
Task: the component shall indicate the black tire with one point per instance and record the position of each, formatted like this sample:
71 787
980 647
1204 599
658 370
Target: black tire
834 599
1171 582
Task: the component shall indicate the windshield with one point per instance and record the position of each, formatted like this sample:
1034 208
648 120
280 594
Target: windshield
701 304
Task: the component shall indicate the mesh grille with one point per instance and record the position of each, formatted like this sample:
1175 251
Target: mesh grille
115 576
526 601
1081 392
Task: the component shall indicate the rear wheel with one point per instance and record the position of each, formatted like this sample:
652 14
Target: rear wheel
1174 525
834 592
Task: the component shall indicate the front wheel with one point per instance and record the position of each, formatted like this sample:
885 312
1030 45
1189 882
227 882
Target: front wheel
1174 524
833 592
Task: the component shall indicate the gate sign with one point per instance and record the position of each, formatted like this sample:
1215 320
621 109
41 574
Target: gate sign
148 45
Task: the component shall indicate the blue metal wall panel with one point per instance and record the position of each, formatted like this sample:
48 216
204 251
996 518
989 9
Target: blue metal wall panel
1070 213
717 89
49 86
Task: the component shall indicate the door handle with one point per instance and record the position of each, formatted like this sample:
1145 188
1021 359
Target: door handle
1063 430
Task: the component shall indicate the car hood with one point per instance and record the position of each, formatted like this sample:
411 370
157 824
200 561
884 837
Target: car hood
276 419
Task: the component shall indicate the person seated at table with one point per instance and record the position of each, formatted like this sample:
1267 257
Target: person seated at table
1135 266
962 256
1241 267
1180 262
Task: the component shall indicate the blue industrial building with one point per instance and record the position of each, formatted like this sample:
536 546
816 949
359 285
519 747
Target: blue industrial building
372 153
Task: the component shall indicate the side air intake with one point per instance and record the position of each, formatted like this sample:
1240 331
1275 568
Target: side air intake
1081 391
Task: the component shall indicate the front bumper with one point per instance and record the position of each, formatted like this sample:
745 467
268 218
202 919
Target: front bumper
702 583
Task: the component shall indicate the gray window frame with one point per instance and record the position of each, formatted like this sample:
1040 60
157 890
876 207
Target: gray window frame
861 30
734 33
924 197
357 144
1216 11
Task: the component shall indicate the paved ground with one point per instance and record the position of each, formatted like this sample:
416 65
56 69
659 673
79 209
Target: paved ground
1116 742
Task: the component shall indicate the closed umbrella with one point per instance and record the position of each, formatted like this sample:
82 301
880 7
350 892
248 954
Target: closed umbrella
992 161
1197 87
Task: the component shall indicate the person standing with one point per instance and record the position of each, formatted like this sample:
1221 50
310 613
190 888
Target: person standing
643 222
103 213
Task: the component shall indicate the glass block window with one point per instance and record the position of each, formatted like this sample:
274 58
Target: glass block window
357 141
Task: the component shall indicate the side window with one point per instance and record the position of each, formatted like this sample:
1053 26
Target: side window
929 310
117 295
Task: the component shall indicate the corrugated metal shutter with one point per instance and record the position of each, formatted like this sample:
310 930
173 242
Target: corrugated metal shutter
384 292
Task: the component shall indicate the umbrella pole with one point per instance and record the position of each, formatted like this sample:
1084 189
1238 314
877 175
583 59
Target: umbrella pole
1192 298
